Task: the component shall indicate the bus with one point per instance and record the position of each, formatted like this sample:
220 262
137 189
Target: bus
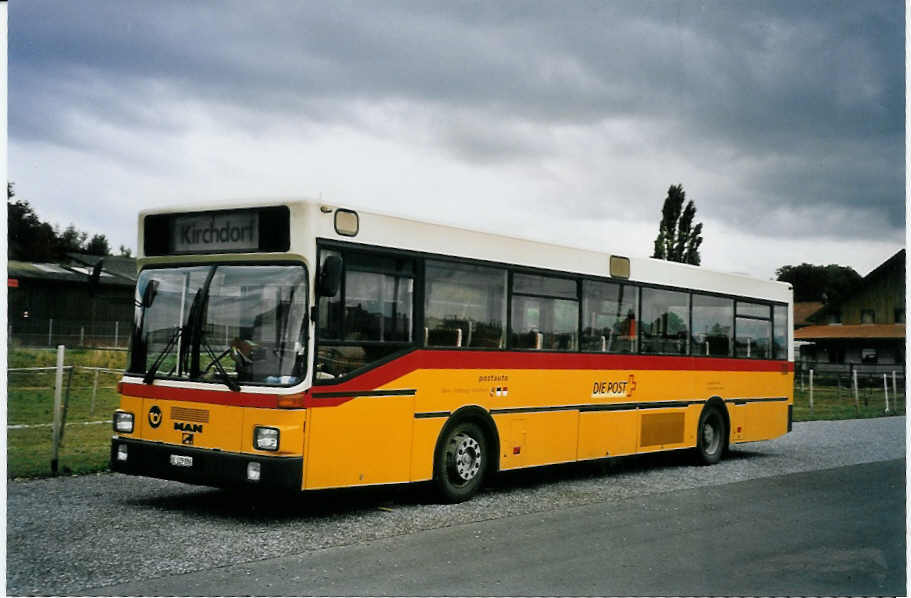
298 345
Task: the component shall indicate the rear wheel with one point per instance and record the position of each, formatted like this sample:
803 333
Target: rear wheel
460 463
711 436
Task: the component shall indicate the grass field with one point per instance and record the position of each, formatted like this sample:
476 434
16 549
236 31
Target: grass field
831 403
30 402
86 445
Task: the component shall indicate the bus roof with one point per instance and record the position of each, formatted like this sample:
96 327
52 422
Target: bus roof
312 219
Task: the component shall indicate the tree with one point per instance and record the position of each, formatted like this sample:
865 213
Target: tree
678 239
71 240
829 284
31 239
98 246
125 251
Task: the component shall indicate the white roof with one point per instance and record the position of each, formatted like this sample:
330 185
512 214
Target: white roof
313 219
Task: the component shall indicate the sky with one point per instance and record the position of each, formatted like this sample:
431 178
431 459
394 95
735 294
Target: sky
561 121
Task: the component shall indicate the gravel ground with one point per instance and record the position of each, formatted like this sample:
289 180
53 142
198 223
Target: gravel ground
66 536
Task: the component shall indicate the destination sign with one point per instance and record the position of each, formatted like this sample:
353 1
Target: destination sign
215 232
245 230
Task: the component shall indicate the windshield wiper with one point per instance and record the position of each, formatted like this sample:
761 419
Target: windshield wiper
195 321
150 375
216 361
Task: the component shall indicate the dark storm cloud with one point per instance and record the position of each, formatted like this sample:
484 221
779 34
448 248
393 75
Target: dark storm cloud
810 95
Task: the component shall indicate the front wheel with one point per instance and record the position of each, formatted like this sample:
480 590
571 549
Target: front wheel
460 462
711 436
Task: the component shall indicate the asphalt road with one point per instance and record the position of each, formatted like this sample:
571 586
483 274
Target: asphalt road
820 533
819 511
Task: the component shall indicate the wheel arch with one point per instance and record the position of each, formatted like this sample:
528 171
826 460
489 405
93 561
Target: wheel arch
481 417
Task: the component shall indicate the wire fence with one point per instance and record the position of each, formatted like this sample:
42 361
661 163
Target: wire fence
837 391
59 419
50 332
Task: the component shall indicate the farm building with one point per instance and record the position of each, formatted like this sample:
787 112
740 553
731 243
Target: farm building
868 327
53 303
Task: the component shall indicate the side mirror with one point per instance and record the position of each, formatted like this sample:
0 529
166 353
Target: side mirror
330 276
149 294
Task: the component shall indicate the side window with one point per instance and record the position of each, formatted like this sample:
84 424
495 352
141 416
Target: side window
464 305
665 322
754 331
545 313
780 336
609 317
370 317
713 326
378 306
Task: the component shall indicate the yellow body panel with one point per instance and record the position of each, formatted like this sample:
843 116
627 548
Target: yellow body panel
608 433
366 440
206 425
542 438
541 417
424 438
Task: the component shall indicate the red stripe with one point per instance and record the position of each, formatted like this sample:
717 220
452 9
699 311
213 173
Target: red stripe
195 395
460 360
501 360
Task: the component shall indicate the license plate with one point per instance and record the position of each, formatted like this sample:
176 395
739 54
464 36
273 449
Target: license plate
181 461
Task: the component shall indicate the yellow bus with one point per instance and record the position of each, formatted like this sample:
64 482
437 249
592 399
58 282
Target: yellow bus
304 346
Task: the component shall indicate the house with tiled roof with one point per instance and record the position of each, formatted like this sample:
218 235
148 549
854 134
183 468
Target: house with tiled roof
804 310
867 327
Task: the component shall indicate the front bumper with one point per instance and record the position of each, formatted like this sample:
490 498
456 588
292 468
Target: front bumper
209 467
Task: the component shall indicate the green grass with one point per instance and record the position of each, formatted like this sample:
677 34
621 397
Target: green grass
86 448
28 358
829 403
30 401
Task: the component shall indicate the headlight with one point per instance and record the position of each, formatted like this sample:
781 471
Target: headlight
123 422
265 439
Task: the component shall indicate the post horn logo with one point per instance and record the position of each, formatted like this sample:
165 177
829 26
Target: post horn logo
154 416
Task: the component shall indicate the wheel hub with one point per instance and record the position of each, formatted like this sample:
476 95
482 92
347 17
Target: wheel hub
711 435
467 457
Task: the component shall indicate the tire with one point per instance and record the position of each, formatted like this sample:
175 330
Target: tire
460 462
711 436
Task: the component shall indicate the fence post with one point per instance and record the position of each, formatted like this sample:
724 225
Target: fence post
94 393
116 333
811 390
894 387
82 336
50 331
886 390
66 402
838 385
856 398
58 407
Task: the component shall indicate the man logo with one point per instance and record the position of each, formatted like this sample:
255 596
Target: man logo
186 439
154 416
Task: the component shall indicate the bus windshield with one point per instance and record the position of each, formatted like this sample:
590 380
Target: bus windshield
230 324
